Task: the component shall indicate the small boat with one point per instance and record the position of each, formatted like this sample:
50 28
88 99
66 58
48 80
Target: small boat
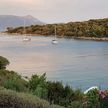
54 41
26 38
91 88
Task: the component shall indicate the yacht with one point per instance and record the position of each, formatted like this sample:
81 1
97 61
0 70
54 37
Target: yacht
26 38
54 41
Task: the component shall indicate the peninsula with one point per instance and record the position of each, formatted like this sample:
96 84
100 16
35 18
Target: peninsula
94 29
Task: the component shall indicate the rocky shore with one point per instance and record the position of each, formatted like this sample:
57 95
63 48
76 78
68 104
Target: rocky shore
93 38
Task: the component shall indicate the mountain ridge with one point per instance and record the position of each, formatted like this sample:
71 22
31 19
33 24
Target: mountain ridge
16 21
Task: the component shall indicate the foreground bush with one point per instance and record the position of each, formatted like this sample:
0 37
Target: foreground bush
11 80
96 99
55 106
12 99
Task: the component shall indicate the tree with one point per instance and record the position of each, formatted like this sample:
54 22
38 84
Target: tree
36 81
37 84
93 99
3 62
55 90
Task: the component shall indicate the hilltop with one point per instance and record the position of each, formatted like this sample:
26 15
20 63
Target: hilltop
16 21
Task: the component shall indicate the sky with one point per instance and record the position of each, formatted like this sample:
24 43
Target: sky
56 11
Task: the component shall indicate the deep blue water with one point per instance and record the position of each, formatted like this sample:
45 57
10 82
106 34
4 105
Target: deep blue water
80 63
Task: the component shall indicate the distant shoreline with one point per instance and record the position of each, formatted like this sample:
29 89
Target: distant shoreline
73 37
92 38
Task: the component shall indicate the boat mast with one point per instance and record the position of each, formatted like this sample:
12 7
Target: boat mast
55 31
24 29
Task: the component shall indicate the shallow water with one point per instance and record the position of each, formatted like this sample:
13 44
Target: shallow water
80 63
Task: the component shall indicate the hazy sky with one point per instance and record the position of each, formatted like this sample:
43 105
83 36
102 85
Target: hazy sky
51 11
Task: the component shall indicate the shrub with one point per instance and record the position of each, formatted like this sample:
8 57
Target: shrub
55 106
76 104
11 99
11 80
36 81
3 62
93 99
103 98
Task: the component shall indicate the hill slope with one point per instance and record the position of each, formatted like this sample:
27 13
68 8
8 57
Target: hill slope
16 21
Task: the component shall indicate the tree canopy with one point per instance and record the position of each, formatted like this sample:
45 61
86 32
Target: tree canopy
92 28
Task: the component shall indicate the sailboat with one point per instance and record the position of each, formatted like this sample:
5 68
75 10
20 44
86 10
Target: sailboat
25 38
54 41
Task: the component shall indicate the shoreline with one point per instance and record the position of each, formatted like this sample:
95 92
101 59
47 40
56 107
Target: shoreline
92 38
70 37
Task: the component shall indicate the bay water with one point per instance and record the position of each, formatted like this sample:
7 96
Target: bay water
79 63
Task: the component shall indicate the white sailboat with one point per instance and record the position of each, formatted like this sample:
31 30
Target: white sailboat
54 41
26 38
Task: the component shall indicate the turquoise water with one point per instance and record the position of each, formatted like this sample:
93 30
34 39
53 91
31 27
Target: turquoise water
80 63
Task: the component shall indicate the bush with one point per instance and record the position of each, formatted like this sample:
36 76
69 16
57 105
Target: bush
3 62
36 81
93 99
37 85
11 80
76 104
55 106
10 99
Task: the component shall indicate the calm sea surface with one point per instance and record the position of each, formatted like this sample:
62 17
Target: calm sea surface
80 63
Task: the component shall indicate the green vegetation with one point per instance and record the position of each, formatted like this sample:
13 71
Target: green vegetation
92 28
11 99
37 92
3 62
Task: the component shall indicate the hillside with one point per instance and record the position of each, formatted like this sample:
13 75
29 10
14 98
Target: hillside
97 28
16 21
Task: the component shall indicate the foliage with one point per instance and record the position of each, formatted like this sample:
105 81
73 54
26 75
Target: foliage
37 84
56 106
37 80
53 92
62 95
103 98
3 62
11 99
76 104
97 99
11 80
93 99
92 28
